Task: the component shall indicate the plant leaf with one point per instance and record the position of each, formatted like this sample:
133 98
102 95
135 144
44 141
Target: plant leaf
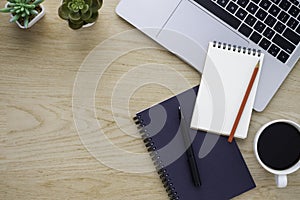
85 8
34 12
80 21
93 18
27 11
75 26
74 15
37 2
96 5
11 5
87 15
69 5
14 18
26 21
5 10
63 11
89 2
29 6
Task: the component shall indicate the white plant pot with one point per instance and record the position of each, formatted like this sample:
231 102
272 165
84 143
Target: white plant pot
88 25
34 20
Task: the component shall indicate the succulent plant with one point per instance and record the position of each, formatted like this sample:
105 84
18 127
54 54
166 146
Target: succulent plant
79 12
22 9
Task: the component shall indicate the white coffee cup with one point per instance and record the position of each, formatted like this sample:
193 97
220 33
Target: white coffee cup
280 175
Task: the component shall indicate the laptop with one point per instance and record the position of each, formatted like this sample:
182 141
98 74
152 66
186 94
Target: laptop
185 27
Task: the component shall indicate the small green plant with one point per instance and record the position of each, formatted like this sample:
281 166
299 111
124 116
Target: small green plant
22 9
79 12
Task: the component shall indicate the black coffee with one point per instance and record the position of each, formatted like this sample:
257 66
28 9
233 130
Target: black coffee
279 146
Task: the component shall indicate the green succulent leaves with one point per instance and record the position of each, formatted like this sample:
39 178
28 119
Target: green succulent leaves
79 12
77 5
21 9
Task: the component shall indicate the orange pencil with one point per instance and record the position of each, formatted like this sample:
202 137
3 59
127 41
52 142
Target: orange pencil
238 117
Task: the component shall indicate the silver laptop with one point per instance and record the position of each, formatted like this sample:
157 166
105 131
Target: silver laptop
269 25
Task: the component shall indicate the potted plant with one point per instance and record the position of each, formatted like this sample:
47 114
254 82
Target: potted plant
24 12
80 13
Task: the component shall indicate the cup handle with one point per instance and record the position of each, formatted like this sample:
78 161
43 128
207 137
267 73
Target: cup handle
281 180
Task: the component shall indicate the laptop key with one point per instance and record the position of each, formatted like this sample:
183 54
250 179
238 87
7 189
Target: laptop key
252 8
220 13
275 1
250 20
264 43
283 16
292 23
279 27
283 57
268 33
274 10
241 14
232 7
256 1
285 4
295 2
265 4
283 43
270 21
294 11
222 3
291 36
255 37
298 29
243 3
245 30
273 50
259 27
261 14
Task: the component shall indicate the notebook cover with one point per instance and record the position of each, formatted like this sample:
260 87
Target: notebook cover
224 81
223 171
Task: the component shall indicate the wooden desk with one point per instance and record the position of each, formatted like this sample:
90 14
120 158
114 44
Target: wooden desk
41 153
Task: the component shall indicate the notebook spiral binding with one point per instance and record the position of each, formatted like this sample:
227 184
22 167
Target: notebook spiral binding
239 49
162 172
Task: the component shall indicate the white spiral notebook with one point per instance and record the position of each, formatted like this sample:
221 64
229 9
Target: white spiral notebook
227 72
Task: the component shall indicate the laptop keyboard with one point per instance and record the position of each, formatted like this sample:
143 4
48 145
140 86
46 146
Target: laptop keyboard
271 24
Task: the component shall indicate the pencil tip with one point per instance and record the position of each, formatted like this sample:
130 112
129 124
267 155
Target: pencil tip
258 63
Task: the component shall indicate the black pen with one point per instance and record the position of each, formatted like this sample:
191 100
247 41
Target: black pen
189 151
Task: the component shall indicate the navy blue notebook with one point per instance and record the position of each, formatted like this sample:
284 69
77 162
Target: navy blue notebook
222 169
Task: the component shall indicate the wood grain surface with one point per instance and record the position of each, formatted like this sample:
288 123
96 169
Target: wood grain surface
46 154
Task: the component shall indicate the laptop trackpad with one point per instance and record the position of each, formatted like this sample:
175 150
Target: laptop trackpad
189 30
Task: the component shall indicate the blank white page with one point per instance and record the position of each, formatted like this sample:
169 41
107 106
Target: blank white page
225 78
